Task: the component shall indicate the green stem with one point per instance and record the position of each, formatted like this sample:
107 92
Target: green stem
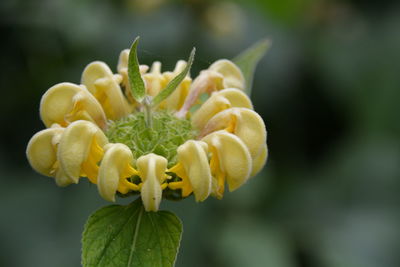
147 111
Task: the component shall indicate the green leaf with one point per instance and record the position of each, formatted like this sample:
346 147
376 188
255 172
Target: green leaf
174 83
248 60
135 79
129 236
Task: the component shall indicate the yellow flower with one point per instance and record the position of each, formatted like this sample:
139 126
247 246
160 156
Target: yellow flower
66 102
97 130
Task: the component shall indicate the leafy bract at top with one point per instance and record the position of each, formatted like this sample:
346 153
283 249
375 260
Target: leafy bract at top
248 60
174 83
135 79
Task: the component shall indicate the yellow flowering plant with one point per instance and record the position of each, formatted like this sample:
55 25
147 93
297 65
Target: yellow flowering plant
160 135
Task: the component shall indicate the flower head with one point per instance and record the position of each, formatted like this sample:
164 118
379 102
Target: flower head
171 147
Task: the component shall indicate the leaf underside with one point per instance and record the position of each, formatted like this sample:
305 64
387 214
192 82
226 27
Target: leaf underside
128 236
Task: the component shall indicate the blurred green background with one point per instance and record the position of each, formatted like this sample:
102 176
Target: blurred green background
328 90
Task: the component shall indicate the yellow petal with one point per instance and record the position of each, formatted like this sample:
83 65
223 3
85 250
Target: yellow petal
103 84
42 151
236 97
233 76
115 165
219 101
67 102
193 156
79 147
244 123
61 179
233 157
151 169
260 160
154 79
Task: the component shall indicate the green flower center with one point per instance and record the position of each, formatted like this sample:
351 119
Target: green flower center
163 138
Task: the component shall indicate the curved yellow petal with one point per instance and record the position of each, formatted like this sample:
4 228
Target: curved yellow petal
259 161
154 80
103 84
115 165
233 76
236 97
193 156
233 158
42 151
80 149
61 179
67 102
219 101
151 169
244 123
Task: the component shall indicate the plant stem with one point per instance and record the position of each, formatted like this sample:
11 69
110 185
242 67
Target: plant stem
147 111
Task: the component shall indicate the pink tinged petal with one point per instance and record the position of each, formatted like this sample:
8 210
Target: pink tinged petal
206 82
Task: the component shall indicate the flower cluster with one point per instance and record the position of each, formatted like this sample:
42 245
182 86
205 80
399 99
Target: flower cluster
97 130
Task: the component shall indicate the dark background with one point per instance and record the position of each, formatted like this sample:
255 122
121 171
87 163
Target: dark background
328 90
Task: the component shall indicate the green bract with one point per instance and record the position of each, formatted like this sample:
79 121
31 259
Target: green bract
248 60
135 80
172 85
